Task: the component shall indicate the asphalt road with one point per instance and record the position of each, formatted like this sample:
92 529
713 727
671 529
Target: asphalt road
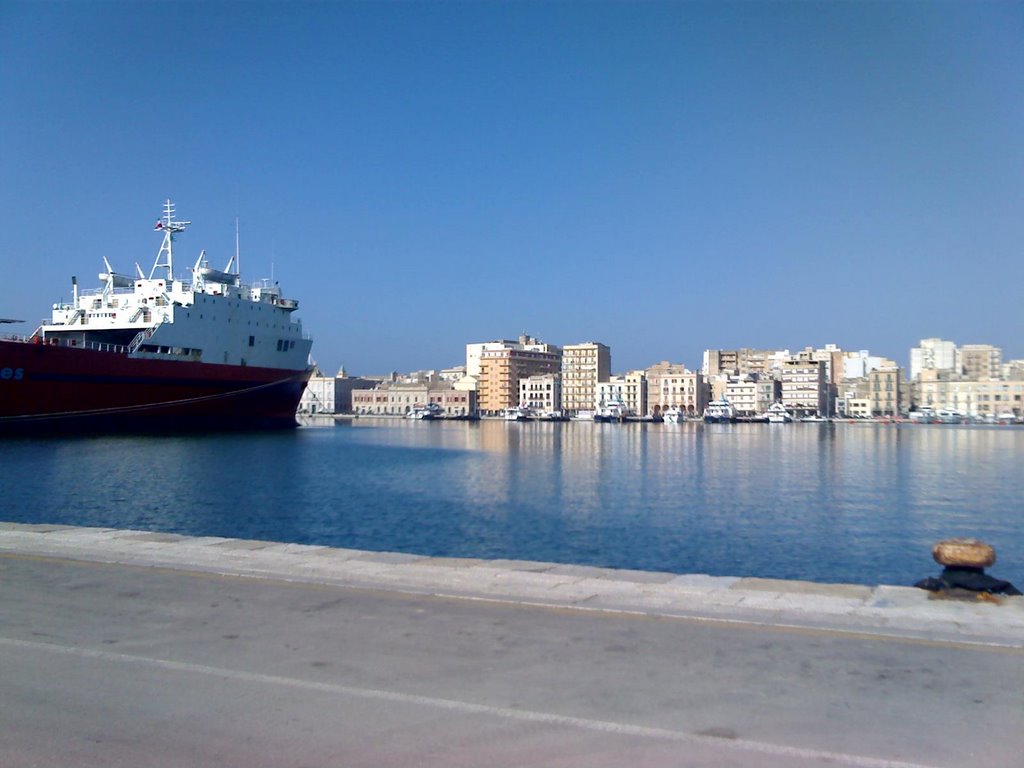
116 665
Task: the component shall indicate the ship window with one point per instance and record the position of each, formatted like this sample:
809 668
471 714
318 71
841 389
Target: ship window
252 341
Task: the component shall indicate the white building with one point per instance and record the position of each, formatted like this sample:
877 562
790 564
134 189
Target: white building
319 395
751 395
934 355
542 393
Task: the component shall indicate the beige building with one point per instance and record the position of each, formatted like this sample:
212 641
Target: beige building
751 395
981 361
739 362
885 387
858 407
583 366
1013 370
989 398
398 399
804 388
542 394
501 368
671 385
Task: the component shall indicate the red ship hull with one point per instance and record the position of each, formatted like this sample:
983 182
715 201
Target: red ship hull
58 389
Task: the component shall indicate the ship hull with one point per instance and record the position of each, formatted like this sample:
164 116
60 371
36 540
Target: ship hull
48 389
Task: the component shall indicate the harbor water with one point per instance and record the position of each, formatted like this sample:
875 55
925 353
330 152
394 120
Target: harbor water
852 503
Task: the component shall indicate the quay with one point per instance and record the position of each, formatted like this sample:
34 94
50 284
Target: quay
138 648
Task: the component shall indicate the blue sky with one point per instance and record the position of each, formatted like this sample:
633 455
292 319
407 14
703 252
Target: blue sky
661 177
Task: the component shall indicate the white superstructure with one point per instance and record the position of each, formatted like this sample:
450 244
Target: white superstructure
213 318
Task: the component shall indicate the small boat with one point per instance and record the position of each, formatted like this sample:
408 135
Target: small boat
553 416
673 415
924 415
949 416
613 412
777 414
720 411
427 412
516 414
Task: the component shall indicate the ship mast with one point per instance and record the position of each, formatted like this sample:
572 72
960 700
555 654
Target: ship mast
170 227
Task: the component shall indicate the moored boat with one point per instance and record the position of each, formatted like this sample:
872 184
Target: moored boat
427 412
516 414
777 414
159 353
612 412
673 415
720 411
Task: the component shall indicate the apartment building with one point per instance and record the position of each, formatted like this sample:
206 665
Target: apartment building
542 393
981 361
739 362
990 398
934 355
500 366
804 388
583 366
885 386
751 395
630 390
672 385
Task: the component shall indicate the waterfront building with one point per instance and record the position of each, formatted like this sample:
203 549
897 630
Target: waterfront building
934 355
752 394
630 390
541 393
345 385
989 398
804 388
453 374
857 407
738 362
502 368
981 361
885 387
1013 370
318 397
672 385
583 366
399 398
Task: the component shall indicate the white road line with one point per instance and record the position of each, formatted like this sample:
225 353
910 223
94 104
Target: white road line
465 707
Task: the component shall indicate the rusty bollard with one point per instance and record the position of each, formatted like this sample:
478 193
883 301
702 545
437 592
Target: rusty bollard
963 574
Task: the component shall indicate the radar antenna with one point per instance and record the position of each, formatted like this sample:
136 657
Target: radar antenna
170 227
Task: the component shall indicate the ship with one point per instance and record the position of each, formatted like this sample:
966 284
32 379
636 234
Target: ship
720 411
158 353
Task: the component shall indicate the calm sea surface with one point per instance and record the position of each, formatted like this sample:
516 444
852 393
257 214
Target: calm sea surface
832 503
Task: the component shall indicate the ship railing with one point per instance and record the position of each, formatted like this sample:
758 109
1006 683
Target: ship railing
141 336
57 341
103 346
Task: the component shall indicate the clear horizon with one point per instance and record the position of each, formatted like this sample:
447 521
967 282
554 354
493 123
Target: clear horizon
661 177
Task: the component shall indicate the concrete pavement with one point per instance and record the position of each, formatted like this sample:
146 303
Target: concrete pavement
147 649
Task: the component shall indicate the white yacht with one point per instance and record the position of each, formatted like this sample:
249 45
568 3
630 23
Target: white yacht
674 415
720 411
777 414
516 414
426 412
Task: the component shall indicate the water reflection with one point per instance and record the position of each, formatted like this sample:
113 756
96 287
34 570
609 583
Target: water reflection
859 503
